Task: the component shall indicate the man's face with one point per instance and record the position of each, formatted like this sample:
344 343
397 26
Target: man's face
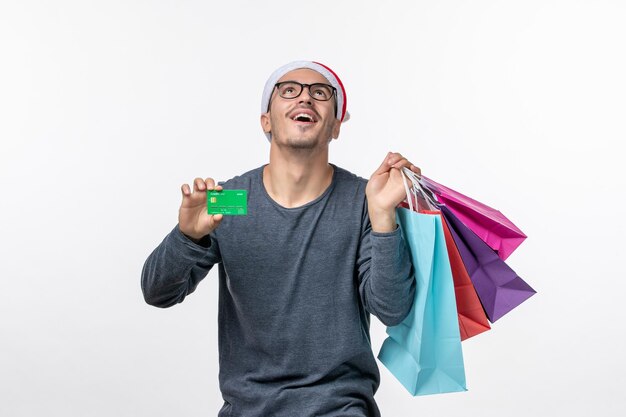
290 130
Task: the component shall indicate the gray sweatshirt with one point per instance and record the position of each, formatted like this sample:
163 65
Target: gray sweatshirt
296 287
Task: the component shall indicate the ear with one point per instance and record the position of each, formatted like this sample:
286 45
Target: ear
266 123
336 129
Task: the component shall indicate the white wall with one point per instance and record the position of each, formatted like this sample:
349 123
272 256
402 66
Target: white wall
107 107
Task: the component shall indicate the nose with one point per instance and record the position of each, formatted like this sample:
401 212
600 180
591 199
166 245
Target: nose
305 96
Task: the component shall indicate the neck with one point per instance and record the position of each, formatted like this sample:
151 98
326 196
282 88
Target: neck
295 177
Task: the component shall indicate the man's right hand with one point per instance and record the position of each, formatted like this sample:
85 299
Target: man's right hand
193 219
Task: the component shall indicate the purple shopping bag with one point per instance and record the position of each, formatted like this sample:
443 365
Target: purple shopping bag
499 288
487 223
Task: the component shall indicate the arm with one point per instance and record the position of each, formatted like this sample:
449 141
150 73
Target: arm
386 280
387 284
174 269
187 254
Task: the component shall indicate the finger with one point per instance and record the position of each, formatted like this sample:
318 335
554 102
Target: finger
199 185
217 219
393 157
396 160
403 162
186 190
384 167
218 188
210 183
395 173
399 163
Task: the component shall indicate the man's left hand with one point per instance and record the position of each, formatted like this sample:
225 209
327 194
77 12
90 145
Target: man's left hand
385 190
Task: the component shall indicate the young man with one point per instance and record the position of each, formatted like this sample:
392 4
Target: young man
299 275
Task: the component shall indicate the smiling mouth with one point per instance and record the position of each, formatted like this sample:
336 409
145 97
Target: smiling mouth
303 117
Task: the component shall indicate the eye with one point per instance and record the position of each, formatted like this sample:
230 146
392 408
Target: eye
289 90
320 92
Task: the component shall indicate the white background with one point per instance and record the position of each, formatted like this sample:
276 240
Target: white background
107 107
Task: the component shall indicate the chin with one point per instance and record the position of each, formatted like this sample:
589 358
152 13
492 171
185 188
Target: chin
301 143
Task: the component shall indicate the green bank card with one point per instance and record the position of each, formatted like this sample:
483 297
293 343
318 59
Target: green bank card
227 202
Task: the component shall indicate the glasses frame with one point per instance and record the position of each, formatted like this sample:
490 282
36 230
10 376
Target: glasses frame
334 90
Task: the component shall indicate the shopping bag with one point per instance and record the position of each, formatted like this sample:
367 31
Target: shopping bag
471 315
499 288
424 351
487 223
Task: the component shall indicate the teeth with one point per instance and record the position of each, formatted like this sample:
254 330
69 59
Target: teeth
303 115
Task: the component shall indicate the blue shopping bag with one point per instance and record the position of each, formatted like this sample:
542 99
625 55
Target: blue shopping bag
424 351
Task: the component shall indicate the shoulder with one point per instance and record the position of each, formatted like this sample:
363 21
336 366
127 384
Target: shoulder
349 191
345 178
349 186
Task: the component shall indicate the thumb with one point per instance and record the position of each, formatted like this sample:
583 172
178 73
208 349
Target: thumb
384 167
216 220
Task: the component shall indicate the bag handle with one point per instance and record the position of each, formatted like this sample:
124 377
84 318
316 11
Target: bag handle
417 190
409 195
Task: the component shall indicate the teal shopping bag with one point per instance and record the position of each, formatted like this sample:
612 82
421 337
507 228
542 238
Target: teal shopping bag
424 351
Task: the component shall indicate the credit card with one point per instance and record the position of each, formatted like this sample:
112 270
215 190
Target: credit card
227 202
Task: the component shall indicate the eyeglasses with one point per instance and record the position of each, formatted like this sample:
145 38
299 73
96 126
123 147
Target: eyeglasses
293 89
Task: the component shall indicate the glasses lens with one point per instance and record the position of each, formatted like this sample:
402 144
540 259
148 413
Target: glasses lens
321 92
289 90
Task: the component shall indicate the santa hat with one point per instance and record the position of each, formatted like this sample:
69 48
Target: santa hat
326 72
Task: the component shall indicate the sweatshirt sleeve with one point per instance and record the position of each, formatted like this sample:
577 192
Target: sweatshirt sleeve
174 269
386 279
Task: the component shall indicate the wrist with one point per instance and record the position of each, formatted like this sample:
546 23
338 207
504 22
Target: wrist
193 239
190 235
383 221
